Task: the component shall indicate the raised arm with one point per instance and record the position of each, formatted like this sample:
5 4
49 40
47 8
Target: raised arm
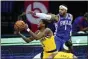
45 16
27 40
42 15
36 36
40 34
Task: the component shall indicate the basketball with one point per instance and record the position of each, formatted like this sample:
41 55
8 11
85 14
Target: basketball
19 25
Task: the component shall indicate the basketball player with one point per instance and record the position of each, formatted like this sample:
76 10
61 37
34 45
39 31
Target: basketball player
45 35
63 24
66 53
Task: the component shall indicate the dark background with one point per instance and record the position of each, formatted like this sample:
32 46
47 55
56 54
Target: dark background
11 9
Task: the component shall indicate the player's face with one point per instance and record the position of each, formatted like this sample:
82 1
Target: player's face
62 11
40 25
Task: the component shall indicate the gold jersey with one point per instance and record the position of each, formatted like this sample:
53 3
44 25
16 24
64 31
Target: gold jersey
48 43
63 55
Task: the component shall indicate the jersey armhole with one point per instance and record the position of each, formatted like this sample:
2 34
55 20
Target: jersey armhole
71 16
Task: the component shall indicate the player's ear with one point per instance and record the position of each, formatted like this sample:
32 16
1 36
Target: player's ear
66 11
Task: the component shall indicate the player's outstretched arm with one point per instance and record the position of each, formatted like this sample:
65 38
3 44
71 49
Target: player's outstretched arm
44 16
37 36
27 40
41 15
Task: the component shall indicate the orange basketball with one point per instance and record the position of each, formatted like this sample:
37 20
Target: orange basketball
19 25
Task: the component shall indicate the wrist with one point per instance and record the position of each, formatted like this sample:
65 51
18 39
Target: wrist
28 29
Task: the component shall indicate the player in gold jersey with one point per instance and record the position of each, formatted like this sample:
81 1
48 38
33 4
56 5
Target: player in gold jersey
66 53
45 35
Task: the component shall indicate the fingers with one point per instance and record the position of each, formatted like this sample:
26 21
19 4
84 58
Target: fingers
26 26
16 32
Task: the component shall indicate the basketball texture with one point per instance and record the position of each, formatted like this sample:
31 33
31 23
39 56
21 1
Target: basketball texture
19 25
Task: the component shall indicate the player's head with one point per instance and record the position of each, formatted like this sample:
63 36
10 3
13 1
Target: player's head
67 45
63 9
42 24
86 16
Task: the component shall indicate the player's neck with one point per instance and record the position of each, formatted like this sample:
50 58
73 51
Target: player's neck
42 29
65 15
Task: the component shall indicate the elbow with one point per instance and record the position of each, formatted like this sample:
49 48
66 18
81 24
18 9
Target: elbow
37 38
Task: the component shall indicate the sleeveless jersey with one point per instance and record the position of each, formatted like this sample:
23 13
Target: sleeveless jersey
63 55
48 43
63 26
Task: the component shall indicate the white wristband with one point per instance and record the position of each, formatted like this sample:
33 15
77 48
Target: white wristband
28 29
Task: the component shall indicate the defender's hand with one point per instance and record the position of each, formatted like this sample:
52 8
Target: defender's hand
31 12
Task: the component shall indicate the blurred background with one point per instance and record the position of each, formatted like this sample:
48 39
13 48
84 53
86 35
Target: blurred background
13 47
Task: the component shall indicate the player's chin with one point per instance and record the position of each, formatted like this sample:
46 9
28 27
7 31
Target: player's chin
39 28
61 13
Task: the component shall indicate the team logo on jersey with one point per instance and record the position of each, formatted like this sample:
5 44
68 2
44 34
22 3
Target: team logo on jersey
65 22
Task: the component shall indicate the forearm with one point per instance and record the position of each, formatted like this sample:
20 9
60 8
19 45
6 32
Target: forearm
47 16
27 40
40 15
32 34
43 16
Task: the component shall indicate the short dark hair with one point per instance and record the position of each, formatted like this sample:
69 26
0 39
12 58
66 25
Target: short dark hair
45 22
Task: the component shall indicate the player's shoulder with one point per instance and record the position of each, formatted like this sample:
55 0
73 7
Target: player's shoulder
58 15
48 29
69 14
